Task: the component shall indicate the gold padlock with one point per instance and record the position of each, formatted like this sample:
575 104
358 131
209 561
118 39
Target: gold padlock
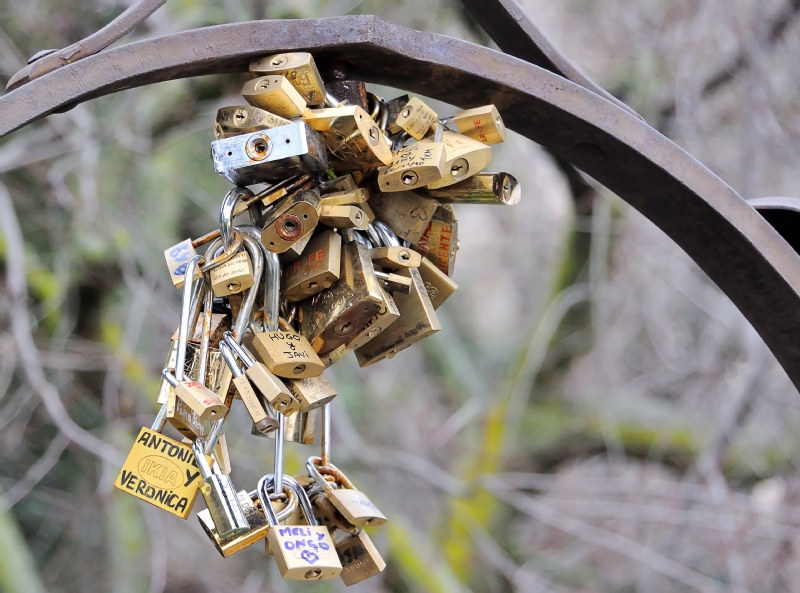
393 283
232 277
483 124
343 217
239 119
200 399
351 135
386 315
464 157
334 317
178 257
275 94
295 218
394 258
416 118
484 188
354 505
349 197
439 242
184 419
438 285
414 166
299 68
317 269
407 213
311 393
394 107
287 354
417 320
300 427
359 557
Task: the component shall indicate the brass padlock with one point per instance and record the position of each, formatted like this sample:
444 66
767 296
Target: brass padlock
300 427
299 69
407 213
343 217
311 393
351 135
334 317
414 166
275 94
301 552
271 387
295 218
484 188
199 398
287 354
239 119
394 107
416 118
350 197
464 157
353 504
439 242
438 285
482 123
178 257
386 315
317 269
296 250
232 277
418 320
393 283
262 419
359 557
184 419
394 258
269 155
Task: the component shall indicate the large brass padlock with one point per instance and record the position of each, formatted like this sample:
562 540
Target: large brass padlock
299 69
416 118
275 94
414 166
439 242
407 213
359 557
464 157
417 320
240 119
287 354
482 123
484 188
317 269
295 218
351 135
336 316
233 276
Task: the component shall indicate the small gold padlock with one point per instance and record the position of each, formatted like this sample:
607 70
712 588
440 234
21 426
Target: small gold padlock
343 217
299 69
394 258
317 269
184 419
464 157
439 242
414 166
438 285
416 118
407 213
386 315
287 354
484 188
351 135
354 505
232 277
417 320
201 400
295 218
241 119
275 94
311 393
483 124
359 557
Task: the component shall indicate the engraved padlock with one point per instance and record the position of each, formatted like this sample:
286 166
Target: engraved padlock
394 108
223 504
302 552
276 94
359 557
317 269
484 188
464 157
343 217
407 213
351 135
241 119
269 155
439 242
299 69
416 118
295 218
414 166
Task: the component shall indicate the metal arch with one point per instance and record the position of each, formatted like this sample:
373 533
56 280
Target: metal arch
729 240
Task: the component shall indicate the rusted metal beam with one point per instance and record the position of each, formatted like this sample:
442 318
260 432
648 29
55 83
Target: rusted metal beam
728 239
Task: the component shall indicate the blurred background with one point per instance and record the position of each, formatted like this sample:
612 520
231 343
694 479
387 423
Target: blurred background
594 416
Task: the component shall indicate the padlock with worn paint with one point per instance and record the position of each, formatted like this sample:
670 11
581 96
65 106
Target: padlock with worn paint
317 269
484 188
299 69
416 118
243 119
394 108
295 218
311 393
359 557
178 257
276 94
439 242
351 135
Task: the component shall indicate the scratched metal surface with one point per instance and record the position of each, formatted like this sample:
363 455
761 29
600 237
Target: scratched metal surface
738 249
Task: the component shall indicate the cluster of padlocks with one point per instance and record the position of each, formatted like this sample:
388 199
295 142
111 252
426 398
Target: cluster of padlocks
349 248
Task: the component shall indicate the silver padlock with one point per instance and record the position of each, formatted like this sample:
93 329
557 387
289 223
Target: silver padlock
269 155
220 496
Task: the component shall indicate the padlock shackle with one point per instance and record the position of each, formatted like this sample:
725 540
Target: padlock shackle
186 306
272 281
230 359
241 351
304 501
374 237
160 420
325 438
226 212
214 435
386 234
253 248
280 435
200 458
205 335
266 505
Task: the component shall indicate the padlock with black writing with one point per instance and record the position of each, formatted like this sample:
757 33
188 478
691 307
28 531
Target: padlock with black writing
416 118
269 155
359 557
414 166
223 504
244 119
351 136
318 268
299 69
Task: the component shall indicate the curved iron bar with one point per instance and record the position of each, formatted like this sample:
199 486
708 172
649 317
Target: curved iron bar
727 238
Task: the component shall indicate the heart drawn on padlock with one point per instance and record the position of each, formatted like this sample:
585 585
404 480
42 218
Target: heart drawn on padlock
309 556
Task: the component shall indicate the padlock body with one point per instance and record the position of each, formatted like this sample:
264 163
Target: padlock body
357 508
272 388
351 136
439 242
343 217
311 393
299 428
293 220
232 121
386 315
232 277
262 421
349 197
161 471
394 258
184 419
438 285
483 124
464 158
407 213
317 269
304 552
414 166
178 256
299 69
235 543
287 354
484 188
360 558
223 506
416 118
275 94
204 402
